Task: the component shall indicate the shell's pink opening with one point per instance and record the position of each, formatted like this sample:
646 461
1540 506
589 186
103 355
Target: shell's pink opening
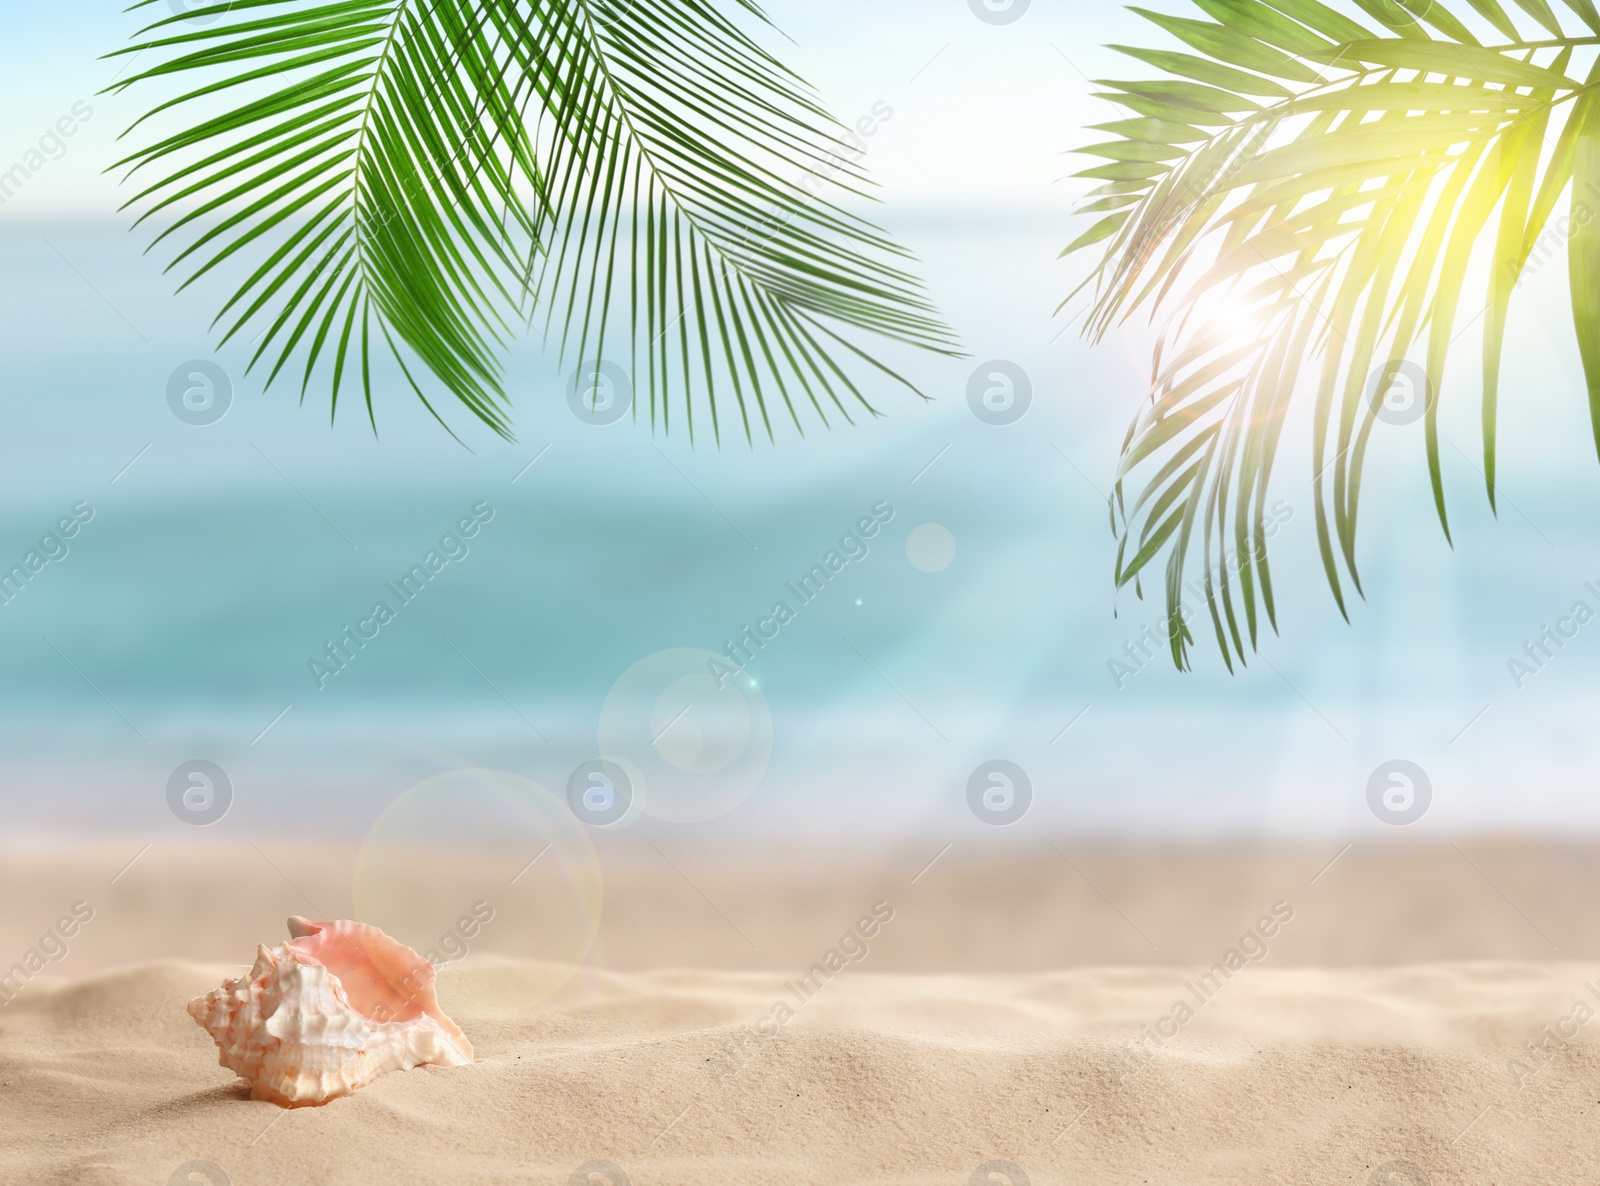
382 978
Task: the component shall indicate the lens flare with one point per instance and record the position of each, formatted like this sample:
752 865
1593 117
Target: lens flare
699 733
487 866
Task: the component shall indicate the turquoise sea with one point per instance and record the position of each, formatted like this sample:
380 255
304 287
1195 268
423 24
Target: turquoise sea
980 623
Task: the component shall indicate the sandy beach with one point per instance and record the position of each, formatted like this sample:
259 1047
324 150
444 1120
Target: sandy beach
1293 1076
712 593
996 1018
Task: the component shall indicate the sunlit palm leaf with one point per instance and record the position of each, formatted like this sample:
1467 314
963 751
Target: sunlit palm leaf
1304 200
420 174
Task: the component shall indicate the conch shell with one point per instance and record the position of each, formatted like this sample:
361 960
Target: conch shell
328 1012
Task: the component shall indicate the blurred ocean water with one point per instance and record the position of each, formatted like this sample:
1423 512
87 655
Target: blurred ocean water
223 559
182 620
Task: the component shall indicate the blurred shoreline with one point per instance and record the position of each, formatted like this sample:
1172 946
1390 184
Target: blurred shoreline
671 901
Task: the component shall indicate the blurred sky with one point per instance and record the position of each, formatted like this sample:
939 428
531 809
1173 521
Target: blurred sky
217 564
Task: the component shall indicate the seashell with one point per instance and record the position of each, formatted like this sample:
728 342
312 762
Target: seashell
326 1013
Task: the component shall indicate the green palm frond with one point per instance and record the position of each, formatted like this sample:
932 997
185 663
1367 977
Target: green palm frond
1302 196
418 176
